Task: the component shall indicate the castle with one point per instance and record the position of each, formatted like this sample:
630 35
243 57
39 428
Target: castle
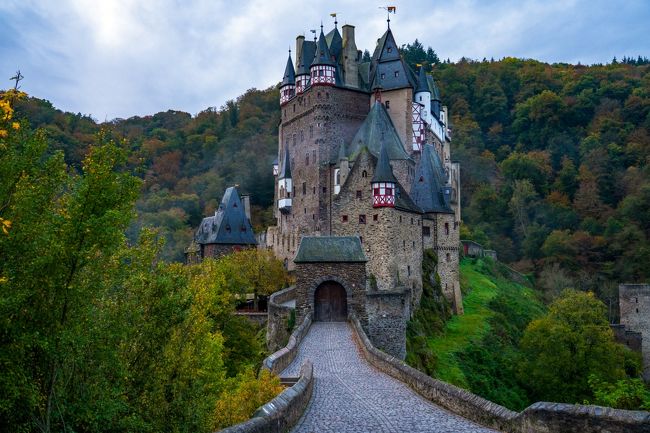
363 153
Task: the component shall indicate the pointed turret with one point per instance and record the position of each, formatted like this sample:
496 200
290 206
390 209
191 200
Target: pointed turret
435 97
285 185
383 182
323 67
304 60
288 86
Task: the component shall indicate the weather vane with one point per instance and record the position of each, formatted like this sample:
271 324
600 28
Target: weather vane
389 10
17 78
333 15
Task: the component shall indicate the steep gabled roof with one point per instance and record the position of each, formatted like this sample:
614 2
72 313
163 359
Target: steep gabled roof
423 82
426 189
322 55
378 129
335 43
229 225
388 70
285 167
383 170
289 73
337 249
307 57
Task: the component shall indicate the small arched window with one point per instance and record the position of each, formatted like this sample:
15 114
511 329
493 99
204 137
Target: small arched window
364 173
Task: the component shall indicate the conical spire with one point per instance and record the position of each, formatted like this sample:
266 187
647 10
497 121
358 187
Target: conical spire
285 170
322 55
289 73
423 83
383 170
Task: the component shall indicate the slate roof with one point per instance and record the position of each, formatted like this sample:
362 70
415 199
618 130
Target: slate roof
285 167
433 88
383 170
335 43
337 249
427 193
229 224
289 73
308 51
378 129
423 82
322 56
386 63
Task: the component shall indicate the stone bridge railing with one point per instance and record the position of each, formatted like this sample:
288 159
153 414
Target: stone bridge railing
541 417
281 413
278 317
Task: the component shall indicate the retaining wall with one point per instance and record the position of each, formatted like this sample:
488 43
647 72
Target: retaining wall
541 417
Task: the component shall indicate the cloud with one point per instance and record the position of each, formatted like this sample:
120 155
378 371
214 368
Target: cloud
132 57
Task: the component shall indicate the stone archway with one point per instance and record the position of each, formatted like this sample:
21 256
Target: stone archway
330 302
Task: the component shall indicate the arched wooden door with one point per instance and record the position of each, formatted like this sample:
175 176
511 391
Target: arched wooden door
330 303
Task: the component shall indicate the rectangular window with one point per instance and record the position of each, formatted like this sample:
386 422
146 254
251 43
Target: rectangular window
387 104
396 74
307 159
304 188
426 231
362 219
314 191
375 217
408 270
344 218
324 190
358 193
383 76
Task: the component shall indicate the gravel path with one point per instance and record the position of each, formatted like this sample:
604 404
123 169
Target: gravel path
352 396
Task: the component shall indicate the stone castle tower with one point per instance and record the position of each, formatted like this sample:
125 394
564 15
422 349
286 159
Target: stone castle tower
634 304
364 151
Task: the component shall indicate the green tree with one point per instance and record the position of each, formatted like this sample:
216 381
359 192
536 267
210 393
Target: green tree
561 350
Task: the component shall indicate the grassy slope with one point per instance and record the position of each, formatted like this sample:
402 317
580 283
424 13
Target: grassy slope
477 350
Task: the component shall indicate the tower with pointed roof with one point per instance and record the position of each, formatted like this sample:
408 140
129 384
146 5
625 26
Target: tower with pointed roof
364 150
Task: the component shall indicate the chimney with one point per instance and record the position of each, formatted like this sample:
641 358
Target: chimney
246 199
350 56
299 40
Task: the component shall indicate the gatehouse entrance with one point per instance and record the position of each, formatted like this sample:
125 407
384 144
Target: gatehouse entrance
330 303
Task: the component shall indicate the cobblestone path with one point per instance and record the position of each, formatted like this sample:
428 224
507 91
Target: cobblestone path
352 396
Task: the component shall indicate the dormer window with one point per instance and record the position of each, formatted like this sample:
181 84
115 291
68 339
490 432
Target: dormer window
382 76
387 107
228 228
389 49
396 74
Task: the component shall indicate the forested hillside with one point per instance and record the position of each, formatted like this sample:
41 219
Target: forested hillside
554 160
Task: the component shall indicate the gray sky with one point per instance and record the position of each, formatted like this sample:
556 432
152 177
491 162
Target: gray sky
119 58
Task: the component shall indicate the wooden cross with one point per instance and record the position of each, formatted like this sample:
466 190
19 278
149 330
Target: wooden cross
17 78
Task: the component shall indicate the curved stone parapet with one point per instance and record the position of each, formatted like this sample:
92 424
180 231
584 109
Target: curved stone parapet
541 417
278 361
279 312
281 413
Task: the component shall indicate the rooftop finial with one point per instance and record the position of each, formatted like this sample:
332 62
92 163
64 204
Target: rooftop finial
314 32
389 10
321 26
333 15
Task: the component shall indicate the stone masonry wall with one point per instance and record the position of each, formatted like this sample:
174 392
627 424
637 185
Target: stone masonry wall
387 316
446 246
277 332
352 276
634 304
400 109
313 126
391 238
